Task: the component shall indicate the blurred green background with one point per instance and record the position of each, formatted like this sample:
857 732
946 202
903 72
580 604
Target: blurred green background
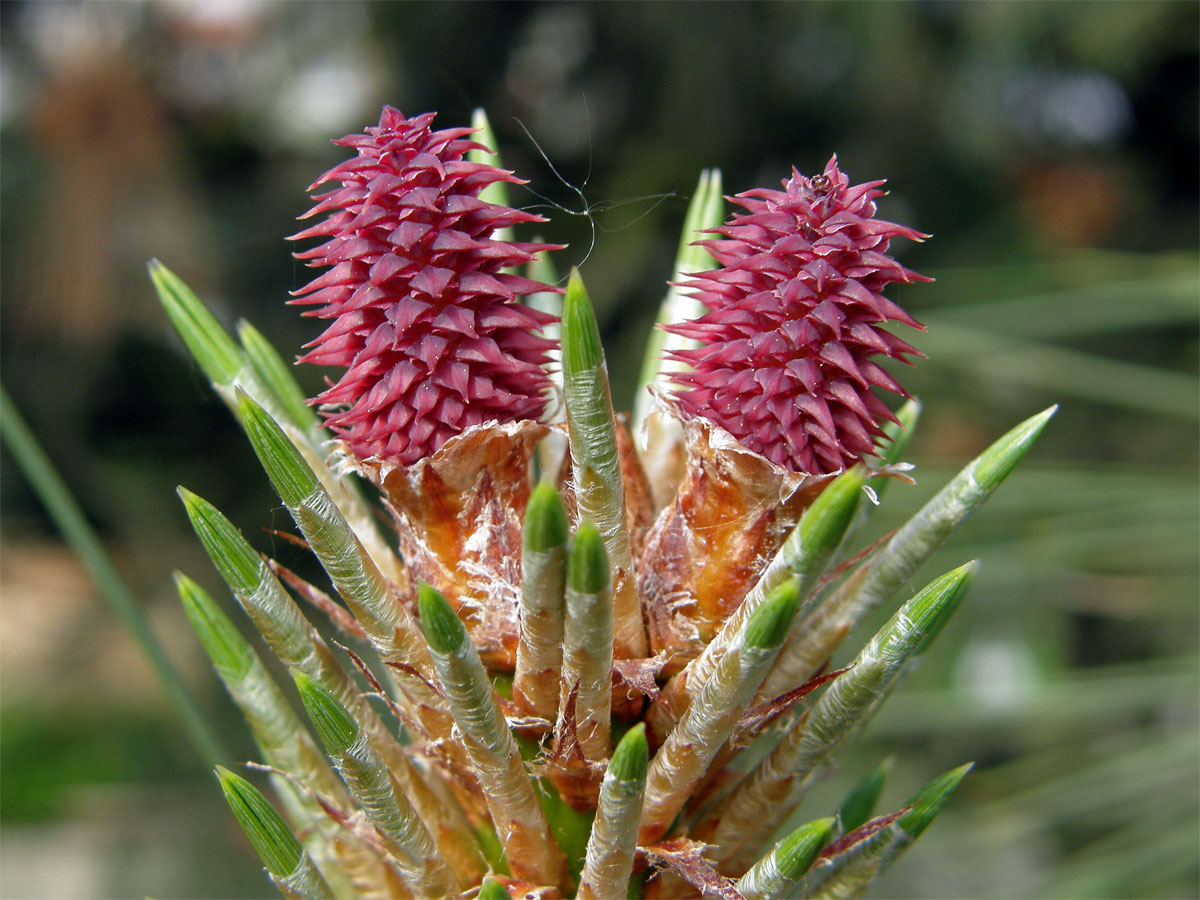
1050 147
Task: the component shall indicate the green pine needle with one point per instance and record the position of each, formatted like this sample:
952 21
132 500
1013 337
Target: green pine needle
442 627
860 802
491 889
277 376
274 842
235 559
797 852
581 348
771 622
335 726
545 519
825 522
292 477
230 653
995 463
928 802
209 343
632 756
587 564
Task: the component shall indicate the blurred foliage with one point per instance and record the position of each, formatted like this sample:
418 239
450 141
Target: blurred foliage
1050 146
44 760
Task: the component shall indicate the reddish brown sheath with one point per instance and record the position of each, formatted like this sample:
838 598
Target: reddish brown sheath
459 514
709 546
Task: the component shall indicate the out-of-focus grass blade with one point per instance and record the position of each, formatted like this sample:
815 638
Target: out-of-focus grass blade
998 358
83 541
1146 860
1102 783
1165 298
1062 703
497 192
1079 269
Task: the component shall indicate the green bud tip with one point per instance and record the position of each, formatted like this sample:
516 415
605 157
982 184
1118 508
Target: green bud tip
491 889
632 756
998 460
443 630
294 481
497 191
230 653
270 837
277 375
202 334
770 623
713 215
931 609
581 349
825 522
908 414
235 559
704 211
335 726
587 565
860 802
928 802
899 434
483 130
542 268
796 852
545 519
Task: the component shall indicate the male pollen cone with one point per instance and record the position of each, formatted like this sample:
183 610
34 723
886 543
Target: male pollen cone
794 318
424 317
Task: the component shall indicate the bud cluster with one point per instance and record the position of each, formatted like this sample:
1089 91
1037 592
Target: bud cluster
576 664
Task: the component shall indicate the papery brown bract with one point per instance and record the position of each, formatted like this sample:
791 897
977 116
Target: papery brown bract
458 514
710 545
794 313
425 318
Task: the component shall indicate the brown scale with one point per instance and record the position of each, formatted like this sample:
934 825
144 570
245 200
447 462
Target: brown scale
709 546
459 516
